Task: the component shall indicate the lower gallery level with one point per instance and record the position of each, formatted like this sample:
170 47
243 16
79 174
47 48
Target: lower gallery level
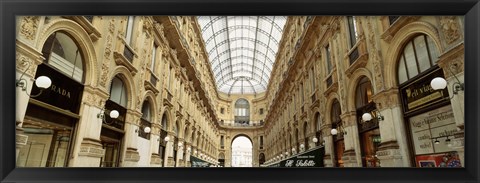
240 91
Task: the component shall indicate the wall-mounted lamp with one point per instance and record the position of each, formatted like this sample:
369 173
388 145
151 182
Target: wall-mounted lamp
315 140
146 130
367 116
302 147
42 82
294 150
338 130
166 139
189 149
113 114
286 154
440 83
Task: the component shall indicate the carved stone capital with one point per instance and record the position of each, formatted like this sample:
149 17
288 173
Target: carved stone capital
387 98
452 61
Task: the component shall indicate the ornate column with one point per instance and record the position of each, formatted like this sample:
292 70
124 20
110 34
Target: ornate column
352 154
132 155
88 149
169 150
155 159
329 157
452 63
179 160
393 149
27 60
187 155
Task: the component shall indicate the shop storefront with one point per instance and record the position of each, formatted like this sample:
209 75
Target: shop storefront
50 121
431 122
51 117
113 132
338 139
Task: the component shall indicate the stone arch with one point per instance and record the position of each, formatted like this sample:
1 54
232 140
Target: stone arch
167 113
186 133
150 97
397 43
127 78
352 86
83 41
328 116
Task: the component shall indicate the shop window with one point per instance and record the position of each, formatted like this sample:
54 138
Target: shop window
145 120
418 55
118 92
62 52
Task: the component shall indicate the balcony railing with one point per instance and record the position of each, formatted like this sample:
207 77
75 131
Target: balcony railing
89 18
153 80
329 81
169 97
392 19
353 55
314 98
240 124
128 54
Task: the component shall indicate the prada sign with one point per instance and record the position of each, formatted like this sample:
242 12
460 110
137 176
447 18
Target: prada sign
419 94
65 93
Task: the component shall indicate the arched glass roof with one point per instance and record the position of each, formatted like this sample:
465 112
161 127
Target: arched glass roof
242 50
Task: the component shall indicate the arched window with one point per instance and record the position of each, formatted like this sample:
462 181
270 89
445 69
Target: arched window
163 134
305 134
164 122
145 120
261 159
242 112
338 139
335 112
118 92
63 53
418 55
363 94
318 132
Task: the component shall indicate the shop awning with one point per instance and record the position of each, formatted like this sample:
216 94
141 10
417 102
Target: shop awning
310 158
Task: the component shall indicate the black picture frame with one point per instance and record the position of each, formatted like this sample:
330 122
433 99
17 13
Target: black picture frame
11 8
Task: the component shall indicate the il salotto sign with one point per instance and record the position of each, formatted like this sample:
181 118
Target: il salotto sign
313 158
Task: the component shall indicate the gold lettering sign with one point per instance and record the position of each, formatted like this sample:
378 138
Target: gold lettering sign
60 91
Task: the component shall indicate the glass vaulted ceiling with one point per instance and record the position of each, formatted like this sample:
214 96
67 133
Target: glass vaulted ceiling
242 50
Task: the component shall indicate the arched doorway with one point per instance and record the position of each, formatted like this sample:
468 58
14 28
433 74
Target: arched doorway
242 149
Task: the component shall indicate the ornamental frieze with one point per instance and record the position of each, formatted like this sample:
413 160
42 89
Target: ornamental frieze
29 25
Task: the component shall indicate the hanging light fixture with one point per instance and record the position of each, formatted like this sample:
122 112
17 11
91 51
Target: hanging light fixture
439 83
42 82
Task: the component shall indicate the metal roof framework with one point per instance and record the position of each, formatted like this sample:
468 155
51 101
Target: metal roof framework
242 50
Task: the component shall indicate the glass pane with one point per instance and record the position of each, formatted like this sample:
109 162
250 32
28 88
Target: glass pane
410 60
244 35
402 72
422 53
433 50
